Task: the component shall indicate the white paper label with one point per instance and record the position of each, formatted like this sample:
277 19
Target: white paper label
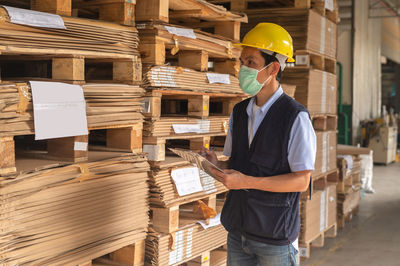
59 110
212 222
189 33
329 5
218 78
186 128
187 180
34 18
302 60
80 146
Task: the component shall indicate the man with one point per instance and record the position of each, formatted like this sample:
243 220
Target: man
271 144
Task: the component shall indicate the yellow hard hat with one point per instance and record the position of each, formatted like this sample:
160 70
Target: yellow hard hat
270 36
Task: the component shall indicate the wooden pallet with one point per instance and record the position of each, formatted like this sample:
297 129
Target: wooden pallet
155 147
343 219
195 14
314 60
126 138
170 219
324 122
118 11
130 255
320 182
317 5
216 257
189 103
71 69
317 242
158 46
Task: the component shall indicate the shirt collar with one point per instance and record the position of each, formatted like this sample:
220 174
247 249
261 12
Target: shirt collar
266 105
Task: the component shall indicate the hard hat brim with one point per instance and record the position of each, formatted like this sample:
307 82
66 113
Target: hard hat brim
240 45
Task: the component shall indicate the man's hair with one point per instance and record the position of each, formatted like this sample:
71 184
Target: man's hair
269 59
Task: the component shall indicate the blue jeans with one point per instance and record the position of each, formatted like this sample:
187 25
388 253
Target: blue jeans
246 252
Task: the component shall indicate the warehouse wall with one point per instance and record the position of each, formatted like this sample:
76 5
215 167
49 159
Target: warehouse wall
391 38
367 67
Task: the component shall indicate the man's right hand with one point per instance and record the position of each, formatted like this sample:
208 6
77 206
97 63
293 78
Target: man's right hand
209 155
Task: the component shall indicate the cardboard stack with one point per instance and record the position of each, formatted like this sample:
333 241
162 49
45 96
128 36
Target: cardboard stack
349 185
55 212
191 88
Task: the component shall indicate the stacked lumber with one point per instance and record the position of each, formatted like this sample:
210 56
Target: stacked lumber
107 105
68 214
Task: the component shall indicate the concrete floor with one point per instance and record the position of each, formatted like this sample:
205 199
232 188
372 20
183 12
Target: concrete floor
372 237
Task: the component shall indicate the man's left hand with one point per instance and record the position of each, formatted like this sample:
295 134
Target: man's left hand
232 179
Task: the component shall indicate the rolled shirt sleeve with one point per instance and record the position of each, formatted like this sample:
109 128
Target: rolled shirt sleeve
302 144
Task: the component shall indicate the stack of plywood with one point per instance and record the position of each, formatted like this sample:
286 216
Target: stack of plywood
68 214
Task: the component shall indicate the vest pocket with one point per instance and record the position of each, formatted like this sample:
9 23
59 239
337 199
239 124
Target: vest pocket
266 219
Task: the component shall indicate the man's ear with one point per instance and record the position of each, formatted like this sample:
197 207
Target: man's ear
275 71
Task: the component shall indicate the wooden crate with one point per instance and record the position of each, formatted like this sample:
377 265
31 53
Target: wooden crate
132 255
324 122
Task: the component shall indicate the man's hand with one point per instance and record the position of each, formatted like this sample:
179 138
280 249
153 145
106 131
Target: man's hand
209 155
232 179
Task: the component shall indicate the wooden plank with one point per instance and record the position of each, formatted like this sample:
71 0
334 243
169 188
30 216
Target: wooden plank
122 13
152 10
197 60
59 7
71 69
130 255
66 148
129 138
129 71
166 220
7 155
229 29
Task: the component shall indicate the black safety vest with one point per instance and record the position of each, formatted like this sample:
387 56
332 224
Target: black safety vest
268 217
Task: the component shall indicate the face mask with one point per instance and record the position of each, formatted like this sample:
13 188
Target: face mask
248 80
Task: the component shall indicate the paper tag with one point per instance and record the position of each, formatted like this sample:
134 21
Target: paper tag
218 78
59 110
34 18
189 33
213 222
329 5
186 128
302 60
80 146
187 180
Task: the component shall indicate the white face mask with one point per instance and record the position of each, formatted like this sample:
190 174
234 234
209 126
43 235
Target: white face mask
248 79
